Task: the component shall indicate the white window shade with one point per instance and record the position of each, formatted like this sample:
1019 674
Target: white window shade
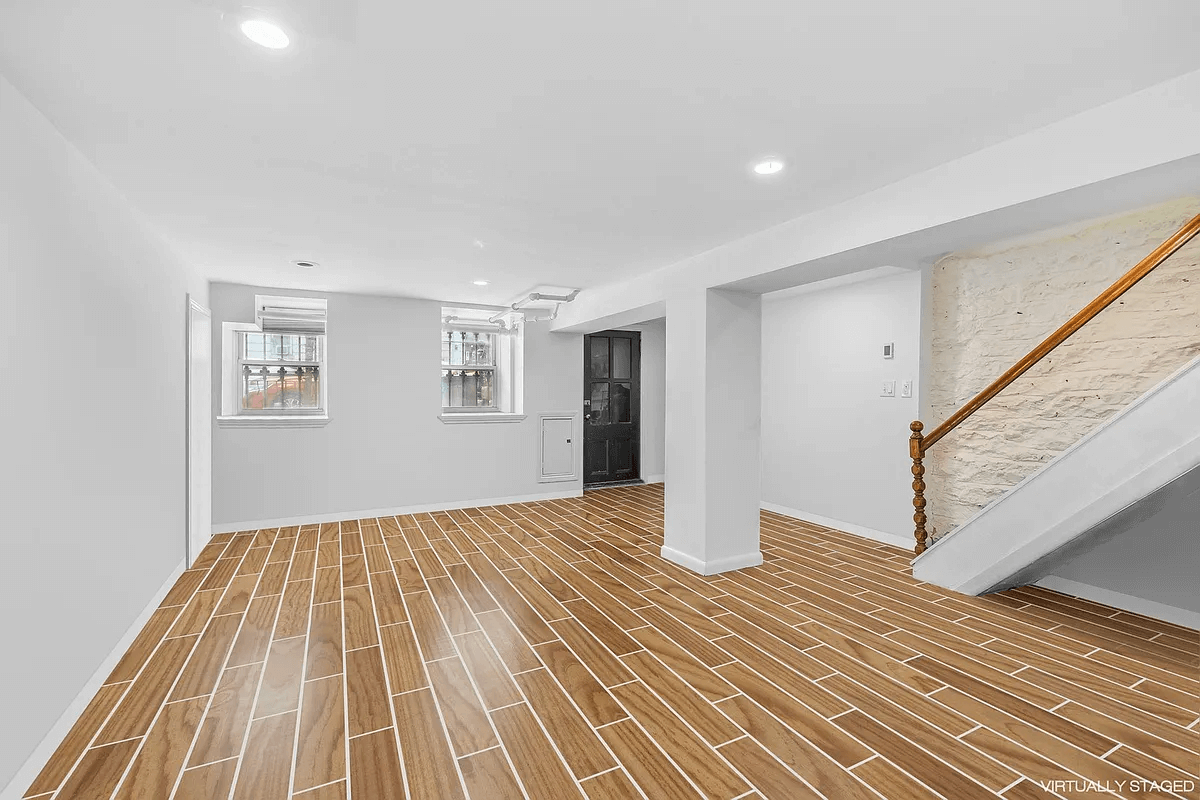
299 315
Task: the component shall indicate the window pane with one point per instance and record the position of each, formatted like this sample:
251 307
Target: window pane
310 388
620 356
487 349
469 390
310 348
468 374
620 401
271 397
285 387
253 387
599 407
599 357
485 389
279 347
255 346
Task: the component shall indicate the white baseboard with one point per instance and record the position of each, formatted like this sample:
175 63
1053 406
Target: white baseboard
50 742
728 564
338 516
1126 602
837 524
654 478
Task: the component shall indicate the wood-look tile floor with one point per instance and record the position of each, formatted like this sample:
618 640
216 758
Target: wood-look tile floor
545 650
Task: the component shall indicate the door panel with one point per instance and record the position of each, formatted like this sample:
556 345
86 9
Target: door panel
599 404
621 452
595 457
199 429
611 406
620 409
599 351
621 357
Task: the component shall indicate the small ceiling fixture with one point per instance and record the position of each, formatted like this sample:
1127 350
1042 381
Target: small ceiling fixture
264 33
769 167
480 283
305 264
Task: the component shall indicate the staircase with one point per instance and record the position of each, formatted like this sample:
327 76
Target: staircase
1142 462
1085 495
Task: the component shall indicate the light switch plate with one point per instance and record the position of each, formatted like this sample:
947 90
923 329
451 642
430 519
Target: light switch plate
906 388
889 389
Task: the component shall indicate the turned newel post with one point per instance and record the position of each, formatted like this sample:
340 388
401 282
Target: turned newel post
915 449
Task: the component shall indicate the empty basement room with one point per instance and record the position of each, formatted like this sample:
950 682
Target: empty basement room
759 400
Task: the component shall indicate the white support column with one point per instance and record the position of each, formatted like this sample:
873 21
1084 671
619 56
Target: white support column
714 387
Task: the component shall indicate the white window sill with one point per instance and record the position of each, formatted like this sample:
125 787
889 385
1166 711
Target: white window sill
280 421
475 417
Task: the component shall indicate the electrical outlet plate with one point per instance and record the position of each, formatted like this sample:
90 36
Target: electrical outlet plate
906 388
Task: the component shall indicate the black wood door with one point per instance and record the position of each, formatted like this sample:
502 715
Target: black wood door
611 406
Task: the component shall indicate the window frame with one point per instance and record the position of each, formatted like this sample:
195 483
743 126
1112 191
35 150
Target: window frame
507 366
496 368
242 362
233 416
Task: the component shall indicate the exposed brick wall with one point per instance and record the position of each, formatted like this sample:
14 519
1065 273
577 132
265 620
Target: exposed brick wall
992 306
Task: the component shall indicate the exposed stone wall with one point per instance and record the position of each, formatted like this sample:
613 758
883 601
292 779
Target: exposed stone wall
992 306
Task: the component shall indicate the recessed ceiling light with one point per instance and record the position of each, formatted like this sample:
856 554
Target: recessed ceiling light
305 264
264 33
769 166
480 283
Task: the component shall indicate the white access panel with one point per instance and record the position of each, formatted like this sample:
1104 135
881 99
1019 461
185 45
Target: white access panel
558 448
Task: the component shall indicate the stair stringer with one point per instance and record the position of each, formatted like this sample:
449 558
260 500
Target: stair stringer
1139 453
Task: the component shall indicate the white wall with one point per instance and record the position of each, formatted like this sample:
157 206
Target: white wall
832 447
1157 561
654 397
92 481
385 446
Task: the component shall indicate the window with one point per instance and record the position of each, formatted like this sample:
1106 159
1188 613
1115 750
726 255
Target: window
275 370
482 366
469 369
280 374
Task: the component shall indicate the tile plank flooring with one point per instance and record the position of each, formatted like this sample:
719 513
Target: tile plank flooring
545 650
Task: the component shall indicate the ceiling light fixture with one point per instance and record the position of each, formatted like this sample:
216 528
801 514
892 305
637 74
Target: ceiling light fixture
305 264
264 33
769 166
480 283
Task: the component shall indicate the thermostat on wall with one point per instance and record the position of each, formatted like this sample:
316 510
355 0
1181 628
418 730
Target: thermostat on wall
889 350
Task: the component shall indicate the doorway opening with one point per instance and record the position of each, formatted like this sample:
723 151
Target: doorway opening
611 408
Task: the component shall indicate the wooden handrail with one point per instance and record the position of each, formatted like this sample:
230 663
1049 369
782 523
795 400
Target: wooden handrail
919 444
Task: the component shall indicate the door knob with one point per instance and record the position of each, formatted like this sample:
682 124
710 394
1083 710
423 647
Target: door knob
587 416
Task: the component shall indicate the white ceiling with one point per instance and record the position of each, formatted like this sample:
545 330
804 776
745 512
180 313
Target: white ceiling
578 143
